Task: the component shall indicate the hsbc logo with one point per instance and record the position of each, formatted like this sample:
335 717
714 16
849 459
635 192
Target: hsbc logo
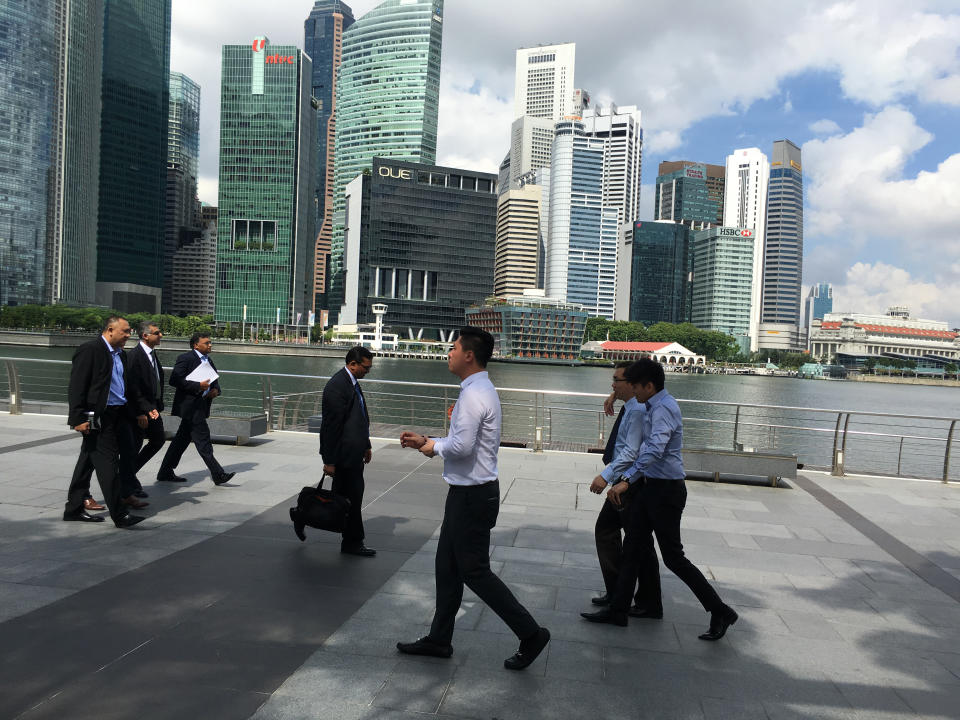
746 233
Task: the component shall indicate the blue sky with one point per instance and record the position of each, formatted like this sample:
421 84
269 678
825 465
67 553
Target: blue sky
870 89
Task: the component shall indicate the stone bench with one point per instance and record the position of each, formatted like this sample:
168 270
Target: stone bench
242 427
763 463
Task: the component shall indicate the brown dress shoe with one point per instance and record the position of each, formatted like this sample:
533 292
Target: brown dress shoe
133 502
91 504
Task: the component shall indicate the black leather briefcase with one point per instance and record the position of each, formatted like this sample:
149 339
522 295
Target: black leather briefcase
323 509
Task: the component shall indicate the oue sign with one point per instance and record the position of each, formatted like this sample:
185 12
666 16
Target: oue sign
398 173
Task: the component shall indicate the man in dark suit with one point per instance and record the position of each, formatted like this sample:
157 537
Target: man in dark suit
97 400
191 403
145 380
345 444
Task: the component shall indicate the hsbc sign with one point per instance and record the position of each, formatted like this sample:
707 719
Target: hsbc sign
735 232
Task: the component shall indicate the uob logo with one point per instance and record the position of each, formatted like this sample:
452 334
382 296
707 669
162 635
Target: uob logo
259 44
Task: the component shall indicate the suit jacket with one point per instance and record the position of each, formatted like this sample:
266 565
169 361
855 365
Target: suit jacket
344 427
188 400
90 376
145 390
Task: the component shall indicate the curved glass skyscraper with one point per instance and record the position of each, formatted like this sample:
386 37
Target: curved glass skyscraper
387 99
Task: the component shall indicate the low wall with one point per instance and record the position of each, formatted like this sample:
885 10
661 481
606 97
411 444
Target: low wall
897 380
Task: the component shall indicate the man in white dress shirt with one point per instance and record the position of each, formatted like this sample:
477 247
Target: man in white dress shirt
469 455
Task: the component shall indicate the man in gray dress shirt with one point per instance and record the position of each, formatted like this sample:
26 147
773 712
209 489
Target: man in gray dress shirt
469 455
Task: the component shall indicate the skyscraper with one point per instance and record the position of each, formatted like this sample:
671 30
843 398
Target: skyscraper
544 85
133 154
518 240
194 266
27 95
265 233
322 41
672 198
652 273
387 100
783 250
744 206
73 192
819 303
722 282
622 135
182 216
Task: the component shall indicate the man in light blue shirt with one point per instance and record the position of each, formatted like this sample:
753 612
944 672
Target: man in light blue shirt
622 448
469 455
658 495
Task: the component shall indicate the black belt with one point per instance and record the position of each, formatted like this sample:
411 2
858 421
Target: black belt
473 487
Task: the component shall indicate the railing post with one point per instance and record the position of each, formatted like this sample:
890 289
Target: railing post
835 468
266 397
946 453
900 456
16 400
736 431
446 401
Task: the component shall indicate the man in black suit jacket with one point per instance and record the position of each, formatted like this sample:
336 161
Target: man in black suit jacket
97 409
345 442
145 380
191 403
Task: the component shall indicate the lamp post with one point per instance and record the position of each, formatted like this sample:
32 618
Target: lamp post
243 324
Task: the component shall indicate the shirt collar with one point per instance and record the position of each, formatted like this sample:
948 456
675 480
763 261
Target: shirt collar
110 348
482 375
146 348
656 400
199 354
350 375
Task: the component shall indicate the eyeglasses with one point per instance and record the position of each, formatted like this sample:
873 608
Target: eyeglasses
616 379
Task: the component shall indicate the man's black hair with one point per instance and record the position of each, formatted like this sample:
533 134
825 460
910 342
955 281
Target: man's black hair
645 371
197 337
478 341
358 354
113 319
623 364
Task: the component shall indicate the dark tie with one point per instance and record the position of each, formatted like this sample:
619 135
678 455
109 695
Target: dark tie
363 405
612 440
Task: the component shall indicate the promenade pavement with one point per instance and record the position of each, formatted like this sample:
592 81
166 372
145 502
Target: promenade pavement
848 591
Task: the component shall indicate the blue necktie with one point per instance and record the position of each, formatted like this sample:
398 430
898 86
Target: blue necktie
363 405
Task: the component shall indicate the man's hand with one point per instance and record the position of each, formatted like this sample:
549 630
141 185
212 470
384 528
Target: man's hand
367 456
153 414
83 427
608 404
204 385
330 470
412 440
213 393
615 494
142 422
598 485
427 447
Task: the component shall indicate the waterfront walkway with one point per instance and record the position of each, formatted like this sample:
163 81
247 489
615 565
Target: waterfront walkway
848 592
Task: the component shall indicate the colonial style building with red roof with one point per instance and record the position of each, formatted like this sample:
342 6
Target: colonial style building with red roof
668 353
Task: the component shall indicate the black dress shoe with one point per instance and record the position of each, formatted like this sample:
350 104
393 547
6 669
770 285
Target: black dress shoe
127 521
425 646
529 650
603 600
610 617
226 477
297 524
361 550
170 478
141 493
641 612
720 620
82 515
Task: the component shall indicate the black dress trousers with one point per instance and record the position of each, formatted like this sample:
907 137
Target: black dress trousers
101 450
348 482
155 438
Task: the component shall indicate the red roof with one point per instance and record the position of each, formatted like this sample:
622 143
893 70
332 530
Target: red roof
894 330
635 346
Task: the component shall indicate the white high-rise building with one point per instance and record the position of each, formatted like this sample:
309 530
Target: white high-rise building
620 130
745 206
544 83
531 142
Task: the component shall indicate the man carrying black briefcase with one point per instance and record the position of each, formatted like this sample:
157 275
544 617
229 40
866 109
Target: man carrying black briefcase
345 448
321 509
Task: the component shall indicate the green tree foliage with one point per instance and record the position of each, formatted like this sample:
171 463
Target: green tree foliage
65 318
713 345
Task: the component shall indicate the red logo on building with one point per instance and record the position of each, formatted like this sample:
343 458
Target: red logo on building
746 233
259 44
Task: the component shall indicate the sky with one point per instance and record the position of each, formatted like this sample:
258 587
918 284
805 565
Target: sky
869 89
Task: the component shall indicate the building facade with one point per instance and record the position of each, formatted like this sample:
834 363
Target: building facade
265 233
531 327
783 249
194 269
133 154
675 202
182 214
744 206
323 42
622 135
518 240
531 143
71 248
27 45
420 239
544 83
819 302
398 43
722 281
652 273
581 253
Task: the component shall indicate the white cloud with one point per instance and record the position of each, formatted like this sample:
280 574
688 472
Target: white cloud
474 127
824 127
872 288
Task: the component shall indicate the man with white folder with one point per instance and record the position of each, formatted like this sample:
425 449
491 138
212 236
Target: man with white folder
196 382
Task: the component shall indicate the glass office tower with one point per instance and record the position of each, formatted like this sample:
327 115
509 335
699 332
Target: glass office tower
723 281
657 268
133 154
265 231
27 50
323 42
682 196
783 248
387 99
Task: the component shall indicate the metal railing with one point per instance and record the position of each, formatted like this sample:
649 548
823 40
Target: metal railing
838 440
